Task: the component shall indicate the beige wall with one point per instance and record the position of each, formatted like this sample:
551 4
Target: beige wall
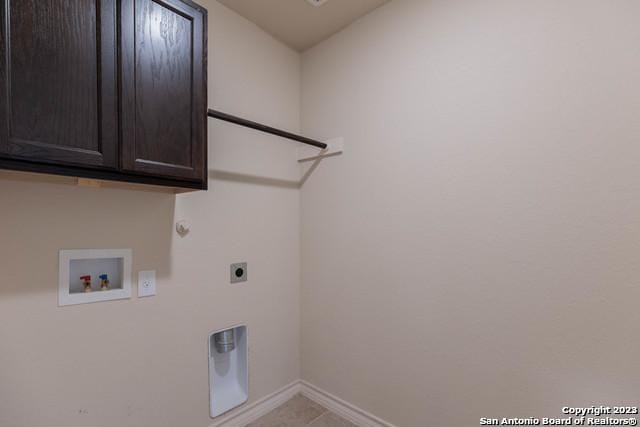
475 250
143 362
473 253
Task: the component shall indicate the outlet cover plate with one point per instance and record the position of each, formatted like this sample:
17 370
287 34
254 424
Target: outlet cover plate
146 283
238 272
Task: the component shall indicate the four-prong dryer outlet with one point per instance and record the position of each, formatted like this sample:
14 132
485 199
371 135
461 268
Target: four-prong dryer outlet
228 369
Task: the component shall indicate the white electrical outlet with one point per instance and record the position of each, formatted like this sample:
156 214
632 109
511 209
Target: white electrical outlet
146 283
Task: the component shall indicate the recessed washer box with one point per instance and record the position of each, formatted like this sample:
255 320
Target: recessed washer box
77 263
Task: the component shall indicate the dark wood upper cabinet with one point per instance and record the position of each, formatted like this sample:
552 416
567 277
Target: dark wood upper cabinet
58 84
105 89
163 88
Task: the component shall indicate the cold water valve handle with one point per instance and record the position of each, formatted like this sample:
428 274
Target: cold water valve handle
104 282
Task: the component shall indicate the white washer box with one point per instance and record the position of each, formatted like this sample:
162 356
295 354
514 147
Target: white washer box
116 263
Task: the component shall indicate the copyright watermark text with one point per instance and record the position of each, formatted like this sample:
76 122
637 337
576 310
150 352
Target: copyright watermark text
575 416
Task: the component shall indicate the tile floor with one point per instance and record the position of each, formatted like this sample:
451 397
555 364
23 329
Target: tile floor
301 412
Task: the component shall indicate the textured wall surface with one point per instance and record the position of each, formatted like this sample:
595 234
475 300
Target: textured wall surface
474 253
143 362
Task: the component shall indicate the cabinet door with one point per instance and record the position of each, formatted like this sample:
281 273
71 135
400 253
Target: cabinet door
164 88
58 83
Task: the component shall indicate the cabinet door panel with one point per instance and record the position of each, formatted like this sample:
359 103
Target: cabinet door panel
163 90
58 82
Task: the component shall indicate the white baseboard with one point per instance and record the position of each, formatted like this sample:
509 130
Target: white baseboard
346 410
247 414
